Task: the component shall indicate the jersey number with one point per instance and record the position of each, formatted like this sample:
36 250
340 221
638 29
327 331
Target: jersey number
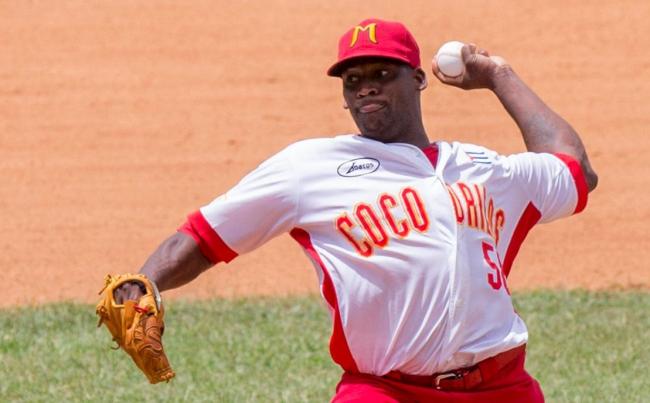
495 278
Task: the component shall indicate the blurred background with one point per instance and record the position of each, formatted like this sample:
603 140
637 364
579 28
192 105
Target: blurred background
117 119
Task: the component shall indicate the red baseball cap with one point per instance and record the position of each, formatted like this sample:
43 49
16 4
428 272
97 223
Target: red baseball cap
374 37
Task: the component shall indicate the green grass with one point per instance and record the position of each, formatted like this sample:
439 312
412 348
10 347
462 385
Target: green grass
588 347
584 347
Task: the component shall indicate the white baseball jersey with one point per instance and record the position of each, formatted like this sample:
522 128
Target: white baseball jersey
411 253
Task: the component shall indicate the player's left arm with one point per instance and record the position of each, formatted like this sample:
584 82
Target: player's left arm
543 130
177 261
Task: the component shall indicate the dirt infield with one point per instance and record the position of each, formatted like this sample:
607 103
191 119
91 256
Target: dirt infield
119 118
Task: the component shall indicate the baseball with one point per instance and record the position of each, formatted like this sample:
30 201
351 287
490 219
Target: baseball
449 59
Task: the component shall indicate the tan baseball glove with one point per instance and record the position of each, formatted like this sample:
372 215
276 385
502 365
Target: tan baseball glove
137 327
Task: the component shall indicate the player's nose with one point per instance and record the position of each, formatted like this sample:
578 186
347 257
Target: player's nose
366 90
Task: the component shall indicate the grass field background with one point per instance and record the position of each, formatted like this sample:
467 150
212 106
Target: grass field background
584 347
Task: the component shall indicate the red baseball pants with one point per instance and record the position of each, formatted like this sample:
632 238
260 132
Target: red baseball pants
511 384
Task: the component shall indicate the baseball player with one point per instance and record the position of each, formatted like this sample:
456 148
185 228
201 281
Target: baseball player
412 240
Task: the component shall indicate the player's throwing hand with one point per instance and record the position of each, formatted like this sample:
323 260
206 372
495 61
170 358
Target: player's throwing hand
480 69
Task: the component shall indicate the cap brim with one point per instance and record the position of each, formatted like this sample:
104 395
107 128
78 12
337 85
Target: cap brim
338 67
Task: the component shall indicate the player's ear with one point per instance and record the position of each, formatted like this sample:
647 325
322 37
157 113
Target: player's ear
421 78
345 105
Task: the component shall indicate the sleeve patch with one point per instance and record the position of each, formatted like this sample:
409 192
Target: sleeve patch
479 157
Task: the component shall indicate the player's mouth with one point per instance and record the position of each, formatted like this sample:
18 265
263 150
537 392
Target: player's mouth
371 107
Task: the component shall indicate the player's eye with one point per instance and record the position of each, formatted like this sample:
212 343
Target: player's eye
383 74
351 80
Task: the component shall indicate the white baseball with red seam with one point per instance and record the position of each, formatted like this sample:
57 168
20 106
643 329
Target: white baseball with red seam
449 59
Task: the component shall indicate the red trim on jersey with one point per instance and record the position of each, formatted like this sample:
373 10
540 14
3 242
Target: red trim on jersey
432 154
210 243
339 348
531 214
579 179
528 219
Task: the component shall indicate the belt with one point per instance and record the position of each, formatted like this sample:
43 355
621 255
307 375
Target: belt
463 378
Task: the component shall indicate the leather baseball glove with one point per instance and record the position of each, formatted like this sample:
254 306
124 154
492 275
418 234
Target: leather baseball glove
137 327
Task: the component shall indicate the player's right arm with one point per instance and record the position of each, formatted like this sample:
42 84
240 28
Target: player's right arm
543 130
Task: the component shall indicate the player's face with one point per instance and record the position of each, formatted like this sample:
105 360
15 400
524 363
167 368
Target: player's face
383 98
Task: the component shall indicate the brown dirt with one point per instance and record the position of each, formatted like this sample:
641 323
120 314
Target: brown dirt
119 118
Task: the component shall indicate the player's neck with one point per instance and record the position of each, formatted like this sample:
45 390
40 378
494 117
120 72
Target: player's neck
416 136
413 132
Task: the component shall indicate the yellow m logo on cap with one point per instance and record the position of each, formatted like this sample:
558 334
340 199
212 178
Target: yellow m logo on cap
372 33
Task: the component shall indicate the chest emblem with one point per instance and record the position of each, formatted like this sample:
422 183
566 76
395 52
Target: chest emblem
358 167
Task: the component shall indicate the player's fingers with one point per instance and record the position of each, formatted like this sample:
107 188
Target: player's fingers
436 70
441 77
127 291
467 51
120 295
500 61
434 66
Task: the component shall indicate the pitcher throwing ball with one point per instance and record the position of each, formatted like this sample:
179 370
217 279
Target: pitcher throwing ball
412 240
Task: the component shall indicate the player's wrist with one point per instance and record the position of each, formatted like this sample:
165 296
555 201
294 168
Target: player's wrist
501 77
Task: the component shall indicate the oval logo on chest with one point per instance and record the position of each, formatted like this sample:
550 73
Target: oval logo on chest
358 167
